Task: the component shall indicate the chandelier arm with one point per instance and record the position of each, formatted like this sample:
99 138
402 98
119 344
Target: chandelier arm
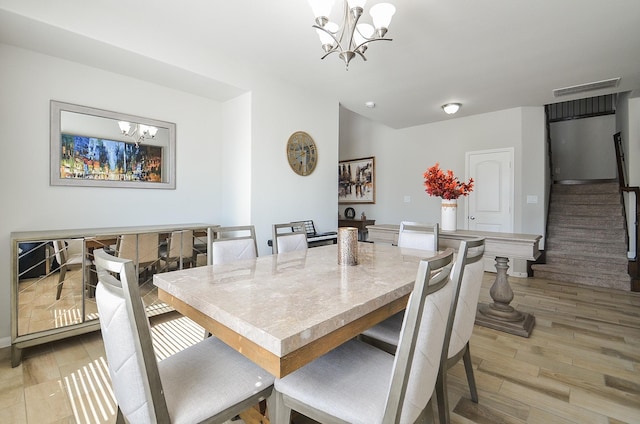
328 53
370 40
337 44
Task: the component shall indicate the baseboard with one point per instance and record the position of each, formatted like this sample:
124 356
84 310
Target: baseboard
5 342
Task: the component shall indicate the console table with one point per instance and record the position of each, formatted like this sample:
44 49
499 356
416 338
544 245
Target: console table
498 315
360 224
41 314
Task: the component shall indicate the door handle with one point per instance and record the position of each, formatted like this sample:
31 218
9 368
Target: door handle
472 218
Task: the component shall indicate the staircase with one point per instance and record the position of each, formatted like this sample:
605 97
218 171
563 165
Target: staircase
586 236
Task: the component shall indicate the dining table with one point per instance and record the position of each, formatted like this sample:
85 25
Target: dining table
283 311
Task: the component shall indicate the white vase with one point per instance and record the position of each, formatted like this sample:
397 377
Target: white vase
449 213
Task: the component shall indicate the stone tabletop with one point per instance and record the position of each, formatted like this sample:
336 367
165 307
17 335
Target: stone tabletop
282 302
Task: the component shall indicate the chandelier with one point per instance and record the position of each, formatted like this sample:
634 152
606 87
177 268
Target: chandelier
351 37
138 132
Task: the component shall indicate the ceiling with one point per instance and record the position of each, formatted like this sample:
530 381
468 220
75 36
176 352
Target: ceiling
488 55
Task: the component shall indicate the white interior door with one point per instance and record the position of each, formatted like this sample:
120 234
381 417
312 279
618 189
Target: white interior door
490 205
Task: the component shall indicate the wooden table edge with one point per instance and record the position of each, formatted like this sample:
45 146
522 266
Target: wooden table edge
272 363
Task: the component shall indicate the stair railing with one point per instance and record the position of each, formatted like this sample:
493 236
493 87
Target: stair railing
631 203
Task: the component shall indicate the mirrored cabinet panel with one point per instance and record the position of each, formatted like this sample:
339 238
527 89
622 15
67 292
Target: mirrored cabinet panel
54 279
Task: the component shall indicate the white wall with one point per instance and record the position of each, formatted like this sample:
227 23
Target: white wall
29 81
633 142
278 194
535 173
583 148
236 168
632 156
231 161
402 156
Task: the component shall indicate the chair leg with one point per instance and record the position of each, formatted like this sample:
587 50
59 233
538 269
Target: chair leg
279 413
468 367
120 417
441 395
63 273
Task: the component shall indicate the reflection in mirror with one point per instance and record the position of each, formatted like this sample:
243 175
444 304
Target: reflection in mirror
94 147
50 285
56 278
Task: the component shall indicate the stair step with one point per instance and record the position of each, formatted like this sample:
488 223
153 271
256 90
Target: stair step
584 248
575 221
585 269
592 188
577 276
619 264
590 234
585 238
582 199
585 210
573 258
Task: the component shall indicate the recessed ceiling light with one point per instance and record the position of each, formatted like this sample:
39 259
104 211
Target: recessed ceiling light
370 105
451 108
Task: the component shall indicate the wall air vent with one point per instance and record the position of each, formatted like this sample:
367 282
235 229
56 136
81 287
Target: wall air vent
590 86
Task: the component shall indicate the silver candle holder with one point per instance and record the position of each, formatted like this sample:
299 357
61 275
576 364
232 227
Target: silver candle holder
347 246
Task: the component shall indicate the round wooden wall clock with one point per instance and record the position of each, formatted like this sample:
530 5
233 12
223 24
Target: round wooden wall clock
302 153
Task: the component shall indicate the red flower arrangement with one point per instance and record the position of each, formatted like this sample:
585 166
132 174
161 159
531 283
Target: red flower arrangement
445 185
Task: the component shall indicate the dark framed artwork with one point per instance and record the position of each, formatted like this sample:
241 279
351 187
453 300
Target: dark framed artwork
356 181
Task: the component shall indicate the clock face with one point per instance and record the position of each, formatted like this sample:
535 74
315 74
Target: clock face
302 153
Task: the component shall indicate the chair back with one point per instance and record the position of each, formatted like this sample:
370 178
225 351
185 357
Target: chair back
141 248
289 237
60 252
127 341
414 235
469 293
181 244
229 244
422 337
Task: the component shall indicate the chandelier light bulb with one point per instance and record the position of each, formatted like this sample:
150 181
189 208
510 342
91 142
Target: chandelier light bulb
381 14
124 126
321 8
357 3
326 39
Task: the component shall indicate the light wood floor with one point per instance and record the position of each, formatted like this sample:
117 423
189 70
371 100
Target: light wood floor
581 365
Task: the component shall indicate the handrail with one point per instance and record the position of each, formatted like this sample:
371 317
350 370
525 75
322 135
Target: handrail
625 188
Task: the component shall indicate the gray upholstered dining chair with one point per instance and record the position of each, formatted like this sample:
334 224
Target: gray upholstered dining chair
191 386
143 249
178 249
358 383
233 243
289 237
459 328
415 235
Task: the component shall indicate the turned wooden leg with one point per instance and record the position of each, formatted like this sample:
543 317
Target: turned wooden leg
500 315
